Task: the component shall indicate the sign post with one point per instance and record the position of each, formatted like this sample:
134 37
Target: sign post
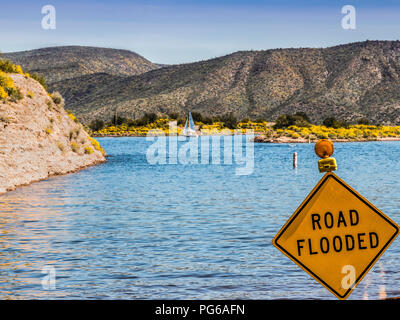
336 235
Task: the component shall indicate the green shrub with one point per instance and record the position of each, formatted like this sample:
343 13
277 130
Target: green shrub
299 119
197 116
60 146
331 122
363 121
173 115
39 79
229 120
57 99
5 119
88 150
15 94
260 120
7 66
96 125
74 147
49 105
143 121
303 115
181 121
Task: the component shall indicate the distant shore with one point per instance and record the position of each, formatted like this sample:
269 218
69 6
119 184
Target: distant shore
263 139
283 139
264 132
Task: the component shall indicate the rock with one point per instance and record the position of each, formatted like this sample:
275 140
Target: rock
39 139
282 139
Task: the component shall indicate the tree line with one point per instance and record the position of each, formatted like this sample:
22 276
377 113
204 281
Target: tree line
299 119
229 120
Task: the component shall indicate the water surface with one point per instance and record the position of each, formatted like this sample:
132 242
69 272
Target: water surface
130 230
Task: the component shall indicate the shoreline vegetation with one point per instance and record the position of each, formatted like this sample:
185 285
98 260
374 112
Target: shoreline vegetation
286 129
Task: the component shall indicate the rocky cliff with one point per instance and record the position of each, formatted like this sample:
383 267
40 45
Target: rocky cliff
38 138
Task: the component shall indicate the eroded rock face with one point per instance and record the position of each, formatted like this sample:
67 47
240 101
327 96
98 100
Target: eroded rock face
39 139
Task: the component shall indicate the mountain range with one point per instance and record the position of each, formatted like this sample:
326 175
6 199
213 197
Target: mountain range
348 82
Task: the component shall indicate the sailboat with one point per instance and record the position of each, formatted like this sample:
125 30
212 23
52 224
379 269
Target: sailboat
190 128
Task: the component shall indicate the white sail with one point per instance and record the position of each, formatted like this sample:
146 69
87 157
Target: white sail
191 122
190 128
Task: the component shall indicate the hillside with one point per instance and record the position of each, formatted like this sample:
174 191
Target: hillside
37 136
60 63
348 82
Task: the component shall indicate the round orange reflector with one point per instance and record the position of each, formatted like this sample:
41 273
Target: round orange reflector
324 148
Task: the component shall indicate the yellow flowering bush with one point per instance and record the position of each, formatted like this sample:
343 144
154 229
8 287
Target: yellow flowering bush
72 116
60 146
74 147
96 145
5 80
18 69
310 132
3 93
88 150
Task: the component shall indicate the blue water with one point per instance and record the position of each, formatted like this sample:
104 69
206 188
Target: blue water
130 230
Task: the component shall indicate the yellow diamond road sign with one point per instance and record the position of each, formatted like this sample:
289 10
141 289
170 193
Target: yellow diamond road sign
336 235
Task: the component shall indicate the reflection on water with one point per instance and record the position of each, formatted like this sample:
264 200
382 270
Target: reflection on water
129 230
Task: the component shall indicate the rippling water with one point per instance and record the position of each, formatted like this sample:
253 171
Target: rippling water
130 230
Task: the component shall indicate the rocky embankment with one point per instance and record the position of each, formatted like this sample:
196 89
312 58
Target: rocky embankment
38 138
264 139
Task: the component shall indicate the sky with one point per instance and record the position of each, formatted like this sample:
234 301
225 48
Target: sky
177 31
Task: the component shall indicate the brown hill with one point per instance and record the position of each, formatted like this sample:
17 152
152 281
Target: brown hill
348 82
60 63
